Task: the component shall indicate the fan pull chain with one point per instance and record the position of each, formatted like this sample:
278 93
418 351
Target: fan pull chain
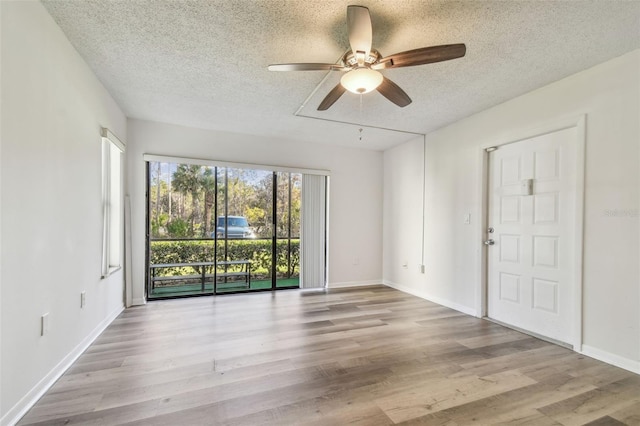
360 129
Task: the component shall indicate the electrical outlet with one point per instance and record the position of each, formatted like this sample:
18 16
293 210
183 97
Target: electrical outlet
467 219
405 264
44 324
83 299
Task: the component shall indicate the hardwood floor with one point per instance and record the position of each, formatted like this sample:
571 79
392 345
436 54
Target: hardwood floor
368 356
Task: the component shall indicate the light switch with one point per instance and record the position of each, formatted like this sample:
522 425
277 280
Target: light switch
44 324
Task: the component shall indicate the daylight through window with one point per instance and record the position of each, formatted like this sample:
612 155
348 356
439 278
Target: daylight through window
112 204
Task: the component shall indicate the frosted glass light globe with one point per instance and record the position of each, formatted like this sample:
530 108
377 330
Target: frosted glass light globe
361 80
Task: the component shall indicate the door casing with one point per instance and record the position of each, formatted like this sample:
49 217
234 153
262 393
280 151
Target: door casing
579 122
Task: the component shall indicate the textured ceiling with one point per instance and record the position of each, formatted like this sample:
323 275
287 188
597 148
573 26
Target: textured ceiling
204 63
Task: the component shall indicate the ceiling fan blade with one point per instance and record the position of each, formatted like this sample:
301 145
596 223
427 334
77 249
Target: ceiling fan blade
424 55
306 67
394 93
332 97
360 30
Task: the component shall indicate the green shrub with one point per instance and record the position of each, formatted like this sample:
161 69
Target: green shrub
256 251
178 228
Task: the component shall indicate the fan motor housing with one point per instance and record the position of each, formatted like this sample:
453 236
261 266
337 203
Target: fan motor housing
349 58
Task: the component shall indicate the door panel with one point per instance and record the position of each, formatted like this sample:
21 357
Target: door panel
531 203
288 229
244 229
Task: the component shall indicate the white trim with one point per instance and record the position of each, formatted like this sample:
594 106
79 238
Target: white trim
138 301
327 218
424 295
480 231
26 402
215 163
112 270
346 284
128 262
1 244
106 196
550 126
609 358
111 157
567 122
106 134
424 203
578 249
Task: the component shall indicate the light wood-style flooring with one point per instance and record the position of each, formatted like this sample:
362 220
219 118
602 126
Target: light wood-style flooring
365 356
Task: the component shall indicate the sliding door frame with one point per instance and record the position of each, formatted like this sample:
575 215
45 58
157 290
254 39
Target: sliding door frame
148 158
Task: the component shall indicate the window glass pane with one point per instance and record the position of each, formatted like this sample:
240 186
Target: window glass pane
115 207
288 229
112 206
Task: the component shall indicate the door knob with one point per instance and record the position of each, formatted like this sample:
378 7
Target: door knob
489 243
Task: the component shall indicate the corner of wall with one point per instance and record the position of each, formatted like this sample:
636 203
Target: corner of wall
425 295
347 284
138 301
610 358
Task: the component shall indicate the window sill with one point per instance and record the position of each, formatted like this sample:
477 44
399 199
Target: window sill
112 270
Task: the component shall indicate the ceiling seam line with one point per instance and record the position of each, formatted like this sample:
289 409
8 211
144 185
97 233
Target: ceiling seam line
313 92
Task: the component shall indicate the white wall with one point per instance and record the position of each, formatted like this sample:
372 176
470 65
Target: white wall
609 95
355 216
1 405
52 110
403 199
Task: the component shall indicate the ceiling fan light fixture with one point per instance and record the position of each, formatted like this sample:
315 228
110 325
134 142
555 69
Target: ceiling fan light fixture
361 63
361 80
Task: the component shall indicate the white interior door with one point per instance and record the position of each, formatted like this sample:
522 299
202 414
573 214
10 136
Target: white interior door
531 207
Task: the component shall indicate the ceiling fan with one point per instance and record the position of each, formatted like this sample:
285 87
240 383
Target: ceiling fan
361 63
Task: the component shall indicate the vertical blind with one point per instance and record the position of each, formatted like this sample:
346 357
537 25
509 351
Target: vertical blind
313 221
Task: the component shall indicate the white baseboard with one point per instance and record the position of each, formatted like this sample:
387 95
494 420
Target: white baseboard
354 284
424 295
609 358
138 301
590 351
26 402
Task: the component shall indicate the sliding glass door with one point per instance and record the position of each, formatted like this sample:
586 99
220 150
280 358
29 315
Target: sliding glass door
287 244
216 230
244 230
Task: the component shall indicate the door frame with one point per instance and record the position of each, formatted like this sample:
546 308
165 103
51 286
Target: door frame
579 122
